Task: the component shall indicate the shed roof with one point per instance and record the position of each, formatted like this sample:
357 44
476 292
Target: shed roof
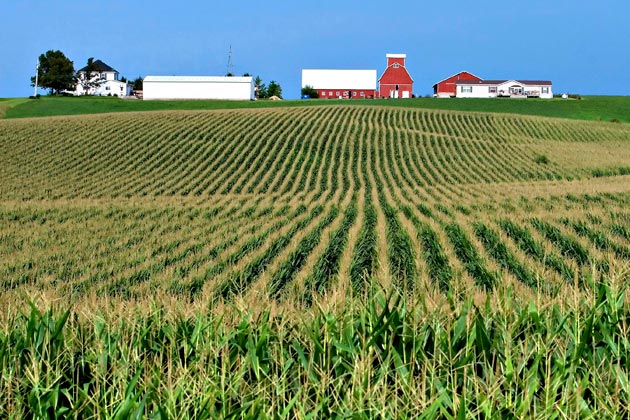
199 79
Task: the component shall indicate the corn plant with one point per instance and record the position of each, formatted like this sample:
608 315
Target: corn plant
469 256
327 265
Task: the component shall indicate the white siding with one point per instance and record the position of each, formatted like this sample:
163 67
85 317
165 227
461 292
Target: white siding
198 87
105 88
339 79
503 89
478 91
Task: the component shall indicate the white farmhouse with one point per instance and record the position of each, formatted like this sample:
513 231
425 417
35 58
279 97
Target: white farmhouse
503 89
104 81
337 84
198 87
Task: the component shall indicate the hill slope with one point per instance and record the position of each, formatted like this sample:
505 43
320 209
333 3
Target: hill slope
295 203
597 108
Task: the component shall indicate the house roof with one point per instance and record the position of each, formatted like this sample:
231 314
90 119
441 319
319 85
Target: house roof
339 79
199 79
500 82
459 72
100 67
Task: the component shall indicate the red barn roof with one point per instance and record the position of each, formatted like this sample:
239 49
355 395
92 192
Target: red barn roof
396 72
462 75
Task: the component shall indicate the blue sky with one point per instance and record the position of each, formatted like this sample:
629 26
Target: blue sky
582 46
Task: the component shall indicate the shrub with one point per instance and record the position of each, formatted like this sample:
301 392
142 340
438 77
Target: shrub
541 159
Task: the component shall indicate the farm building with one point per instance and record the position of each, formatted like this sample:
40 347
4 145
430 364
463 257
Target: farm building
504 89
103 81
198 87
333 84
446 88
395 82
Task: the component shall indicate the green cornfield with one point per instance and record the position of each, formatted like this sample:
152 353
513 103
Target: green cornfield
314 262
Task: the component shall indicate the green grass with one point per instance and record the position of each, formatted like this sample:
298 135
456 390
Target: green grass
8 103
598 108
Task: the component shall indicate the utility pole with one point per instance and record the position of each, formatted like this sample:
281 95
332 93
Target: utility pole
36 78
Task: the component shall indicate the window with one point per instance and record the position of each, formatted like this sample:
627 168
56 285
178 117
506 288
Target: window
492 89
355 94
106 87
545 89
330 93
103 76
466 89
323 93
362 93
337 93
395 65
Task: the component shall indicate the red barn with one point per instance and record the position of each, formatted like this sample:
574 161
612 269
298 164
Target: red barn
447 88
395 82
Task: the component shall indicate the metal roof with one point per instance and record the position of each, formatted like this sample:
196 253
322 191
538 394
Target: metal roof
339 79
199 79
500 82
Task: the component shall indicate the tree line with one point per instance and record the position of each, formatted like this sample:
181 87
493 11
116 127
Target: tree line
56 72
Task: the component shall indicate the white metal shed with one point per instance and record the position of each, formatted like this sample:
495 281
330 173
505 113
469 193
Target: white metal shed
198 87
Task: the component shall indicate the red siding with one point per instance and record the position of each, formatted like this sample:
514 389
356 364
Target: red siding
395 76
336 93
447 86
387 90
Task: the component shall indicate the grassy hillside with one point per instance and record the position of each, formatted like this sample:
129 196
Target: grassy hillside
239 263
8 103
598 108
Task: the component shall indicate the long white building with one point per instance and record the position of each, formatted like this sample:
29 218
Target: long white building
503 89
198 87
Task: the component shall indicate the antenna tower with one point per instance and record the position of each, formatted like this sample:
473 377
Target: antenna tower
230 65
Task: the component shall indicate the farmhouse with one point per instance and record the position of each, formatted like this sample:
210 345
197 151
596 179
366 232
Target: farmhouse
349 84
103 81
446 88
395 82
198 87
504 89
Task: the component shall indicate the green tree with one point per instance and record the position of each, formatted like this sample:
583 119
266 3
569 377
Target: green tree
274 89
56 72
310 91
260 88
89 77
137 83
